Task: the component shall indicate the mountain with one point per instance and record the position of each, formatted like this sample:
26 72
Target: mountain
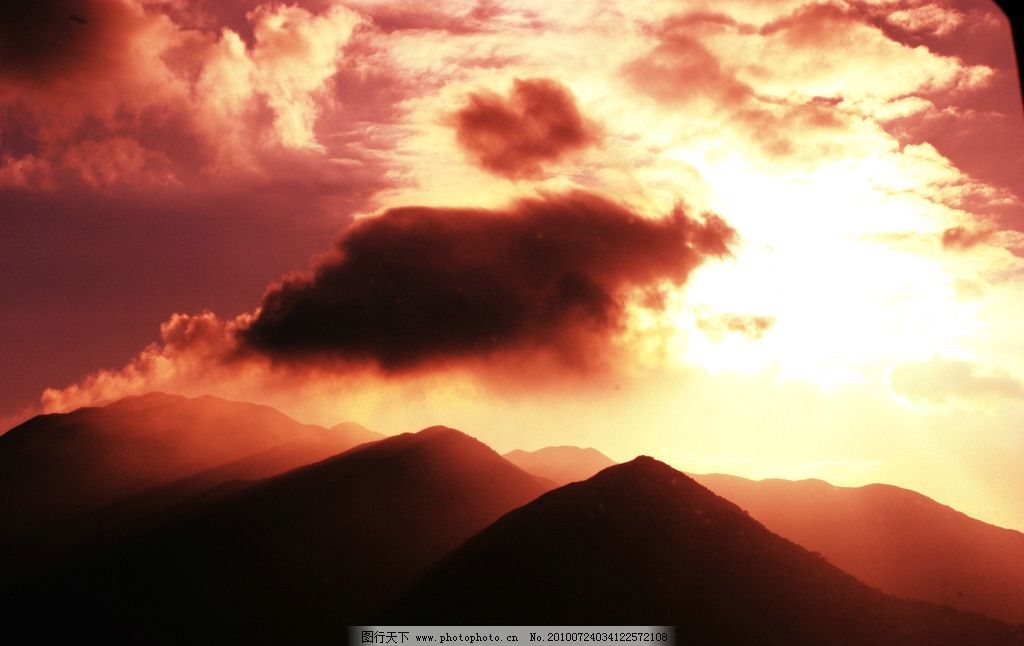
54 467
560 464
894 539
356 433
295 558
642 544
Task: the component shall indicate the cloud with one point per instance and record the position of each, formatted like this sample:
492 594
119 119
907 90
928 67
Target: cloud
816 50
931 19
45 41
964 238
295 54
680 68
420 286
59 76
943 382
406 15
514 136
194 349
425 302
750 326
173 92
825 50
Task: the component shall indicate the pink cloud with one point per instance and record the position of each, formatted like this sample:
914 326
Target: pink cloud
191 102
515 136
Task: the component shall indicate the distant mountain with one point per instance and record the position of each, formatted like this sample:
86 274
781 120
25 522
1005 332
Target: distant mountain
641 543
894 539
54 467
356 433
295 558
560 464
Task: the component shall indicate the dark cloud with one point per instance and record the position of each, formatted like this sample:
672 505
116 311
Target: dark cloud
43 40
538 122
417 286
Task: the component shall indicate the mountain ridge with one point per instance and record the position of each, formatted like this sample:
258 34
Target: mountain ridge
299 556
894 538
643 543
73 480
562 464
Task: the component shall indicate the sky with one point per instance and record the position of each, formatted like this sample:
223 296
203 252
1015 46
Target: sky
772 238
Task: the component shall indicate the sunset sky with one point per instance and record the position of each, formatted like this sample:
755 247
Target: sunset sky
771 238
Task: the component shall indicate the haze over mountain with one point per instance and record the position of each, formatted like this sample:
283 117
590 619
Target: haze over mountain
220 543
641 543
53 467
561 464
297 557
78 483
894 539
356 433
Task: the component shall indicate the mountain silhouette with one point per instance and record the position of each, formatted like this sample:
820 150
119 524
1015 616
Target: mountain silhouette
643 544
356 433
295 558
896 540
560 464
76 483
54 467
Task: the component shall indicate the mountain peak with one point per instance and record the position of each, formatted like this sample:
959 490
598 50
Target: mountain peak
432 431
646 463
146 400
435 446
642 466
356 432
686 557
645 471
446 435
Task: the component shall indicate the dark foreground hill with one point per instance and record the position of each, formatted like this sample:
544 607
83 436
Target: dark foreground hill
896 540
643 544
74 483
293 559
560 464
55 467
